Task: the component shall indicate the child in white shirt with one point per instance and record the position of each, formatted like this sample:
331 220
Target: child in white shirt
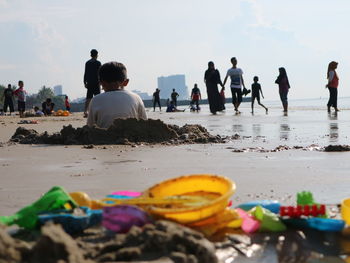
115 102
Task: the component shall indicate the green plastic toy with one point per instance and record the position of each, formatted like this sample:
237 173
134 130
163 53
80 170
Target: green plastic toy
269 222
305 198
27 217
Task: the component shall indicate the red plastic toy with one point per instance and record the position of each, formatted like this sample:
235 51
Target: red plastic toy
303 210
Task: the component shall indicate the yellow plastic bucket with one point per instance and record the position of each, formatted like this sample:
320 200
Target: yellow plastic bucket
345 210
219 189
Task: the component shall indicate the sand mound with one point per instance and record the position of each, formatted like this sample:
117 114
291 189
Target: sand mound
123 131
162 240
337 148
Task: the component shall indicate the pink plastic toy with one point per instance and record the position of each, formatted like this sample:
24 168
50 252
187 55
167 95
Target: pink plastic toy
249 224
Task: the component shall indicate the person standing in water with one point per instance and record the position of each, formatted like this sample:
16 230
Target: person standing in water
283 85
332 86
256 90
212 79
8 99
156 100
237 82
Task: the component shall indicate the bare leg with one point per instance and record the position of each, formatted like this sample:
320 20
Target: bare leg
87 103
285 107
252 106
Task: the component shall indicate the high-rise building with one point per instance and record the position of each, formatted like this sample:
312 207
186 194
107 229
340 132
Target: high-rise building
143 95
177 82
57 90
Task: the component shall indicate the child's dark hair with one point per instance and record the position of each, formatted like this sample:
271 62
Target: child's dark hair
112 72
36 108
256 78
93 52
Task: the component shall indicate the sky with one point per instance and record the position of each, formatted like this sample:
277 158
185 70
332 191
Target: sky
47 42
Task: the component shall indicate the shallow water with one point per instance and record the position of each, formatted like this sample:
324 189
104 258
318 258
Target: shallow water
306 123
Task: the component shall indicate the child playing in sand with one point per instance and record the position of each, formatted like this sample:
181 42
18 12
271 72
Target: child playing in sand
38 112
256 90
115 102
21 98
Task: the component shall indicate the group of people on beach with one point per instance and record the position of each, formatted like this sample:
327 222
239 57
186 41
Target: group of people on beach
47 107
116 102
216 103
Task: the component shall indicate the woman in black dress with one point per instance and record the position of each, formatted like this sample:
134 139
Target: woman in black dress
212 79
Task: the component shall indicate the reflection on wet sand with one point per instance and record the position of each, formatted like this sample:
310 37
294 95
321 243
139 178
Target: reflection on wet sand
333 128
284 131
256 130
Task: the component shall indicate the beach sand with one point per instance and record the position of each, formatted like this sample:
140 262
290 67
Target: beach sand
27 171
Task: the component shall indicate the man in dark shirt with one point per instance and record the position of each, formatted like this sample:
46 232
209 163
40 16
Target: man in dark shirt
91 81
8 101
174 96
156 100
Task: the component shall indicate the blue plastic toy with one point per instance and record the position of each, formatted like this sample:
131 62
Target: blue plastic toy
71 223
321 224
272 205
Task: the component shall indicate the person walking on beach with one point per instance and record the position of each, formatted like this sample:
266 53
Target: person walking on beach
283 85
21 98
195 97
174 96
256 90
212 79
8 99
237 82
156 100
91 81
332 86
115 102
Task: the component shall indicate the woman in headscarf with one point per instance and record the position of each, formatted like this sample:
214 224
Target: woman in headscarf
212 79
283 85
332 86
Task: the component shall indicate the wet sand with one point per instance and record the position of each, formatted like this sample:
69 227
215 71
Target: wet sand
26 171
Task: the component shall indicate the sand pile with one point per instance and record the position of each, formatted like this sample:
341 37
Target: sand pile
164 240
123 131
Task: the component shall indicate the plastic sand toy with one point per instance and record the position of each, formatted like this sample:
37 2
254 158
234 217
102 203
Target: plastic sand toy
74 221
272 205
215 192
27 217
121 218
321 224
249 224
303 210
269 221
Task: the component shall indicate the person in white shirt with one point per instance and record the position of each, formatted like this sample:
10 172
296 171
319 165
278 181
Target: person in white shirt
115 102
236 75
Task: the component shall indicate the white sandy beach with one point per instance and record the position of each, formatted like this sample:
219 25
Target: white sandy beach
27 171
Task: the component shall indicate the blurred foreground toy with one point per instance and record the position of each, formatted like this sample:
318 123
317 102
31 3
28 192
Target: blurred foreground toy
345 210
269 221
249 224
121 218
73 221
27 217
213 193
321 224
272 205
303 210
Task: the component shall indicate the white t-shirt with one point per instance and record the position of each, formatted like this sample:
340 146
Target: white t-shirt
118 104
236 77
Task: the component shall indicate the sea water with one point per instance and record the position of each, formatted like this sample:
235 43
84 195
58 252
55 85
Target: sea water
306 123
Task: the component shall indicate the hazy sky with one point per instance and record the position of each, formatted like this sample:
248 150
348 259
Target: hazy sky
46 42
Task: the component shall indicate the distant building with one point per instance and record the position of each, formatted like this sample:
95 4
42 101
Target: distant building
143 95
57 90
177 82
